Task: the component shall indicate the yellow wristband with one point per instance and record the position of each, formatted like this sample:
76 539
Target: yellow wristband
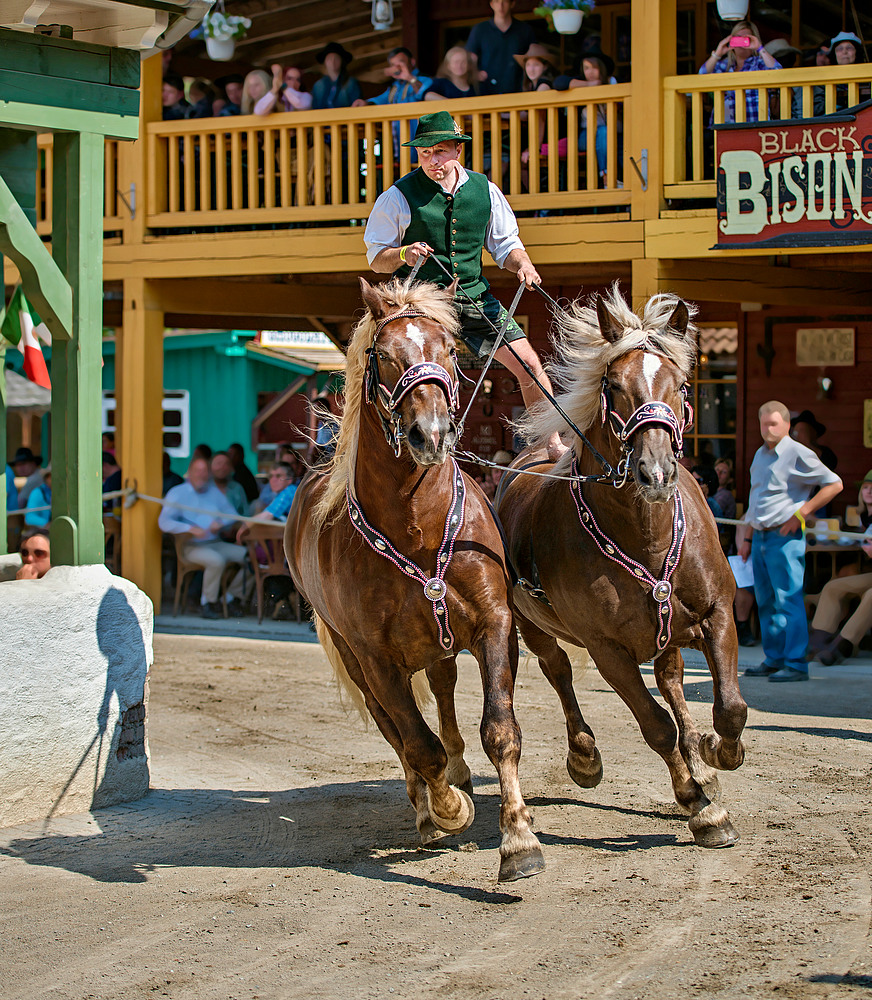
403 254
801 519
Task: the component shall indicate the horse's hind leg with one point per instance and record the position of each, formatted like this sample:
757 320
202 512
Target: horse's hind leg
709 822
451 809
342 658
442 677
497 655
669 674
583 761
724 749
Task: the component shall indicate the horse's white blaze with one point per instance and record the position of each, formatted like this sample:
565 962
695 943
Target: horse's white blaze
651 364
416 335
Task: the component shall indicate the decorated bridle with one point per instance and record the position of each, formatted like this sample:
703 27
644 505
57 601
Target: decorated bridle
654 412
421 374
426 372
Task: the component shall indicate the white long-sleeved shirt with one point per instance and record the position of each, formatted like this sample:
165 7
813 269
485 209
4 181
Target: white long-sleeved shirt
175 521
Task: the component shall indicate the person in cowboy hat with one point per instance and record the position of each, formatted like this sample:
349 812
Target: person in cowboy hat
336 89
538 66
26 465
408 224
594 69
806 429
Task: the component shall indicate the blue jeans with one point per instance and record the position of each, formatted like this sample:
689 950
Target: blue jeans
600 145
779 568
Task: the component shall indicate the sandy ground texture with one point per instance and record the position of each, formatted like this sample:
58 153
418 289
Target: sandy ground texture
276 856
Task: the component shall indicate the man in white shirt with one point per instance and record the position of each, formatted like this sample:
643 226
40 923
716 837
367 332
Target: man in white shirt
205 547
441 211
784 473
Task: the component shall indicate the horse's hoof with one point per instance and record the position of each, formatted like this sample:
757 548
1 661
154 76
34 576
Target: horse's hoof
466 787
717 754
521 865
588 776
713 837
462 821
430 832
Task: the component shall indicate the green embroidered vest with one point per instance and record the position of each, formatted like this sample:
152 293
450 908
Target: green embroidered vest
454 225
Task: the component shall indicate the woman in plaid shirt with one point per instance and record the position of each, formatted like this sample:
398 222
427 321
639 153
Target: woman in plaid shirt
735 55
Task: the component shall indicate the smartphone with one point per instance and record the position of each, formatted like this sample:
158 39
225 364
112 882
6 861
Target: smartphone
740 42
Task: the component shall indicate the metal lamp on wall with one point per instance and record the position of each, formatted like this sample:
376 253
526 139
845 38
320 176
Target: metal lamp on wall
382 14
733 10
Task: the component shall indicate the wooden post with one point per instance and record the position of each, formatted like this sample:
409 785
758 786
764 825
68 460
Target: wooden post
654 27
133 159
77 246
139 385
4 521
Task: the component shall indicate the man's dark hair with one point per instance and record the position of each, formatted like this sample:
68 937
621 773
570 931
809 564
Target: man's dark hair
708 475
174 80
32 533
286 468
109 458
401 50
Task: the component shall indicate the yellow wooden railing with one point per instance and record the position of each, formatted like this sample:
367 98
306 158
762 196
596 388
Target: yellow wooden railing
303 167
113 205
693 103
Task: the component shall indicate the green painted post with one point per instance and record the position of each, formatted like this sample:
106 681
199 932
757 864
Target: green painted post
3 512
77 245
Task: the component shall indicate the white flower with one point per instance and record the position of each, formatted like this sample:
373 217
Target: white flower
217 24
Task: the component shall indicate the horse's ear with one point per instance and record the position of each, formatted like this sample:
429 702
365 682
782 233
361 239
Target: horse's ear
609 326
371 297
680 318
452 288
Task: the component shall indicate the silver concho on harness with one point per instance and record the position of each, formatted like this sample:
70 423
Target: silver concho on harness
662 591
435 589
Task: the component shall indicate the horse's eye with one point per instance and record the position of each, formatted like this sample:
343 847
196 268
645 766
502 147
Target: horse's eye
382 356
453 352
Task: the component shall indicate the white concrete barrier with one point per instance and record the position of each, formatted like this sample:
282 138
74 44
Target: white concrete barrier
75 650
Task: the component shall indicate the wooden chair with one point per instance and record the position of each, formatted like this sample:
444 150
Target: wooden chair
185 571
265 544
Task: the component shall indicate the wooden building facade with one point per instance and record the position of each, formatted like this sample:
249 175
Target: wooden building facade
249 223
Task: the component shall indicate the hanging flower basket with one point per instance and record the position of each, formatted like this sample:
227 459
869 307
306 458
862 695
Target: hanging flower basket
221 33
564 16
567 22
220 49
732 10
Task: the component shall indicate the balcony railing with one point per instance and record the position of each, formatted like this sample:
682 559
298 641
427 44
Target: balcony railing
693 103
302 167
113 205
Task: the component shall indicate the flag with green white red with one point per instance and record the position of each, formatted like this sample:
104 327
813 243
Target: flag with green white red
23 328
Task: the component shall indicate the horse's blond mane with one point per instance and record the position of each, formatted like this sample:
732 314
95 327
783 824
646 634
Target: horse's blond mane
437 305
582 356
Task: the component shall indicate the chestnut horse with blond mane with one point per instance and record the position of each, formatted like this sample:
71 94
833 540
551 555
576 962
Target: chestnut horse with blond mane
400 557
630 566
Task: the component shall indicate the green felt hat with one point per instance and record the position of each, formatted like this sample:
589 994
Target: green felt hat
436 128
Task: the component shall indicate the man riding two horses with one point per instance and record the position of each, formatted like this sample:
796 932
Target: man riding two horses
443 215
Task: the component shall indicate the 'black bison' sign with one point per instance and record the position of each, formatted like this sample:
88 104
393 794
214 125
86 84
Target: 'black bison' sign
804 183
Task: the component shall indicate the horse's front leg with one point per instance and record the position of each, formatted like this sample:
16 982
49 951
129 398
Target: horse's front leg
583 762
724 749
442 677
497 655
669 674
709 822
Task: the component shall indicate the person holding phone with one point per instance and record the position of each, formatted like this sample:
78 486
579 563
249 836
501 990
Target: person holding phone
741 51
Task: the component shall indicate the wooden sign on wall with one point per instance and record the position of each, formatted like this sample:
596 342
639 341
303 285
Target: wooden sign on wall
825 347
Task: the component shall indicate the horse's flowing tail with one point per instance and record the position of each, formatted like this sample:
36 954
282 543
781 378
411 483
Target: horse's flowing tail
420 685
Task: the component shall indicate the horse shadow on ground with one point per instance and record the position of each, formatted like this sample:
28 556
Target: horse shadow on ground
364 828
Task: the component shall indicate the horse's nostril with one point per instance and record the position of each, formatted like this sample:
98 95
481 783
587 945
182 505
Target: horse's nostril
416 438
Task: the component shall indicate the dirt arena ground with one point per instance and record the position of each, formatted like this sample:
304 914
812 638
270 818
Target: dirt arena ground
276 856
